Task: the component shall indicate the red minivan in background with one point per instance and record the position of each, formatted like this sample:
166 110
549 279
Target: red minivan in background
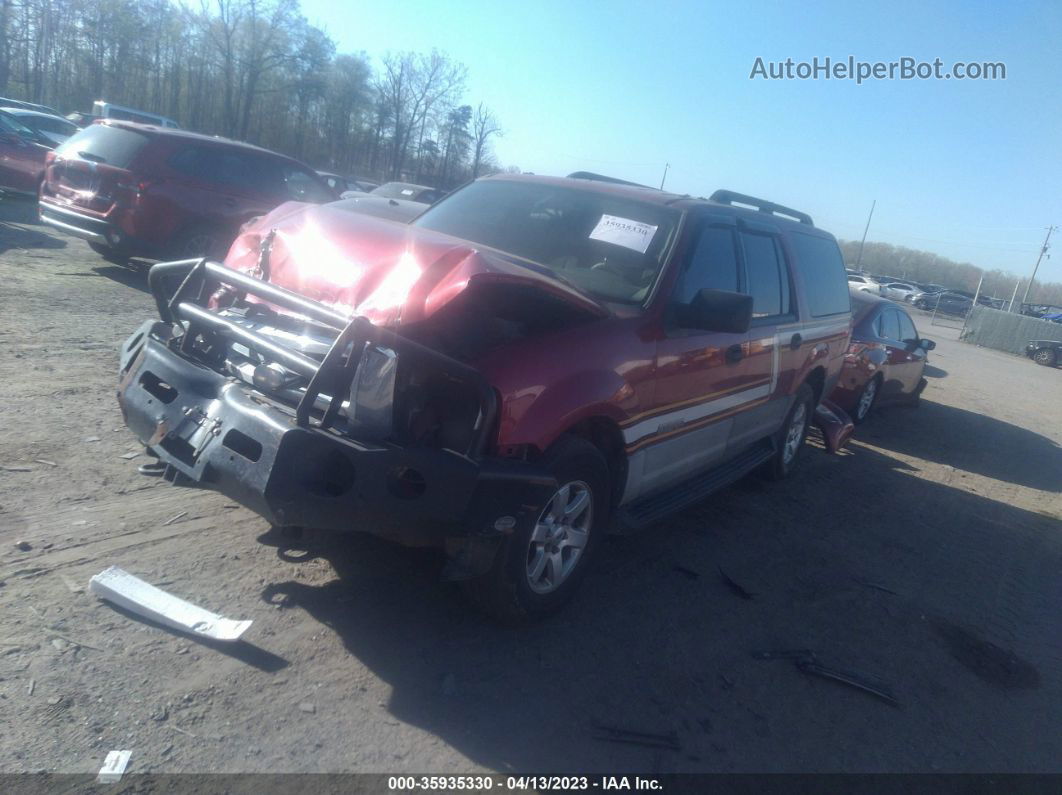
21 157
137 190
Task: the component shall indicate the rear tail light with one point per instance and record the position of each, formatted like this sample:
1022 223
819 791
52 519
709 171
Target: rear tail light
133 190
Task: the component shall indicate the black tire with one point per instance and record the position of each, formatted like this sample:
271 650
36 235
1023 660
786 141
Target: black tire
506 592
859 414
201 241
109 254
781 465
1048 357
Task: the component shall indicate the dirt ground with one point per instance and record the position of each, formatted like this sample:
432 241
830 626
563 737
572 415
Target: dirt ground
927 556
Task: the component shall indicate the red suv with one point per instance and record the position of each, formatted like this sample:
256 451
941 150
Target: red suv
145 191
531 363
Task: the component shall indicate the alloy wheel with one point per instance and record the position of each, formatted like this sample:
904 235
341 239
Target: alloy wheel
559 538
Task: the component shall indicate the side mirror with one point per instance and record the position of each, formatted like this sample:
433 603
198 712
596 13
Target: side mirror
926 345
717 310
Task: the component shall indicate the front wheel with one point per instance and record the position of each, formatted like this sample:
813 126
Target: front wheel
1048 357
538 569
790 439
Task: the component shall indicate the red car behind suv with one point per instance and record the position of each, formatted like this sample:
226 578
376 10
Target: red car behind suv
140 190
529 364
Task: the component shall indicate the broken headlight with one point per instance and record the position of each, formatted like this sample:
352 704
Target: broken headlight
372 393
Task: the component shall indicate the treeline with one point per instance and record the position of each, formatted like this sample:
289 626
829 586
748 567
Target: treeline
922 266
253 70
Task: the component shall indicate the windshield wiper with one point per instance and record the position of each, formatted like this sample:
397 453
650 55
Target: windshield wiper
92 157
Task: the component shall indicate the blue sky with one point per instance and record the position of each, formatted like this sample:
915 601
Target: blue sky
967 169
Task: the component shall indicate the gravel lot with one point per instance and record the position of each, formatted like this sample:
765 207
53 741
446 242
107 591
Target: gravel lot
928 555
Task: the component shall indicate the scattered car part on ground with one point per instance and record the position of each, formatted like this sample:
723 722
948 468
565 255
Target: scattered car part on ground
133 190
114 767
885 358
123 589
405 380
1045 352
616 734
807 661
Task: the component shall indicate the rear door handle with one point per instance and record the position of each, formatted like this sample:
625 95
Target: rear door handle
795 341
230 202
734 353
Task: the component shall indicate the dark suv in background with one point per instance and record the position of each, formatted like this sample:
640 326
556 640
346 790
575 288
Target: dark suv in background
139 190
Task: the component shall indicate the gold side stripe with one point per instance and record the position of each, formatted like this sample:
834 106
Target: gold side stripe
653 439
648 414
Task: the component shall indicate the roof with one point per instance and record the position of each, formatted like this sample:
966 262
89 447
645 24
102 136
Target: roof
656 196
173 132
25 112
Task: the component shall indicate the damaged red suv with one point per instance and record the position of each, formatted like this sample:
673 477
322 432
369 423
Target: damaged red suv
532 363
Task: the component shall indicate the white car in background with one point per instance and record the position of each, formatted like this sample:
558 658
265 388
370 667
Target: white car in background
862 283
899 291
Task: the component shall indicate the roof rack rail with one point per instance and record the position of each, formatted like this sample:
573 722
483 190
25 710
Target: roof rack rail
764 206
602 178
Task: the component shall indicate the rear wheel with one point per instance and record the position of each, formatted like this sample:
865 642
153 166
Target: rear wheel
789 443
109 254
539 568
1048 357
866 400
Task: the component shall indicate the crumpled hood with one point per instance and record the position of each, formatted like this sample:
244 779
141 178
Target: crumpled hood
389 272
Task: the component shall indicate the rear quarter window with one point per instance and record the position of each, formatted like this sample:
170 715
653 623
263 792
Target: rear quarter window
104 144
823 274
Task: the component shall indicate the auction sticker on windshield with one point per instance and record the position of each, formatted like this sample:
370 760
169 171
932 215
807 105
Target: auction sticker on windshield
624 232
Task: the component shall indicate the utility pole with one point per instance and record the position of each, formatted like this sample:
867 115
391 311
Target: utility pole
666 167
859 259
1036 267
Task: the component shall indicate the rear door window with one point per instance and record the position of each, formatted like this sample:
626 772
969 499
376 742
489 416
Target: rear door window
907 328
822 270
889 325
766 277
713 264
102 143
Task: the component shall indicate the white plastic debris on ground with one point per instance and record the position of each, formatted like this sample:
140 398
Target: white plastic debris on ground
113 767
122 588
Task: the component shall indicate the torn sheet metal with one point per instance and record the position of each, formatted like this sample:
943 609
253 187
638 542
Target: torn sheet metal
122 588
113 767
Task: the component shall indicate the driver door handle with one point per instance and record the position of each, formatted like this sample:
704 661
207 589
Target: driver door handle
734 353
795 341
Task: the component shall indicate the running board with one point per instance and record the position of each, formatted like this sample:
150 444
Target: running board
645 511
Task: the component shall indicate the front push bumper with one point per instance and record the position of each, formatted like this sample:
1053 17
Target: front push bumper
214 431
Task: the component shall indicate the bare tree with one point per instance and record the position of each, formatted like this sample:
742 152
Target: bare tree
484 125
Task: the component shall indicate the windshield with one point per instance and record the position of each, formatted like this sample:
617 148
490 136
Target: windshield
610 246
